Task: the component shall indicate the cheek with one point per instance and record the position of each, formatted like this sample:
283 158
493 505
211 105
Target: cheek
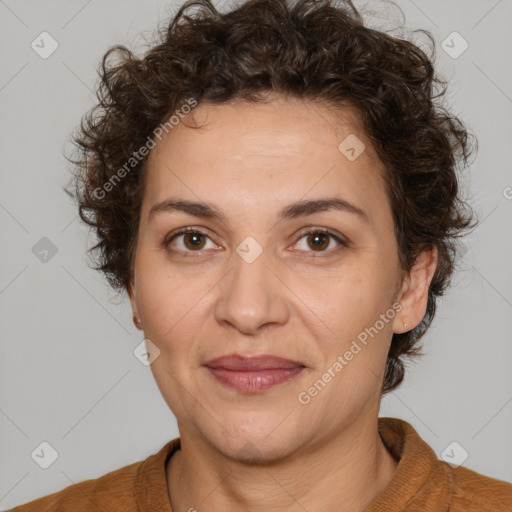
350 305
346 298
171 303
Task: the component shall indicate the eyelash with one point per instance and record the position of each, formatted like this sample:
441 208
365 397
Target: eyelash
343 243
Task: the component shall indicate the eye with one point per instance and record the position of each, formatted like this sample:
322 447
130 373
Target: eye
320 240
192 240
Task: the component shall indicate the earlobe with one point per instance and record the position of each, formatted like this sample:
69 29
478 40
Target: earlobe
137 322
135 310
414 294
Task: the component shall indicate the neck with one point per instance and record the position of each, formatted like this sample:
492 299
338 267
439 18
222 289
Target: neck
346 472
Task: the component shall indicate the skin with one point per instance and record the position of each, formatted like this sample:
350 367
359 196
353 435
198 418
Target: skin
293 301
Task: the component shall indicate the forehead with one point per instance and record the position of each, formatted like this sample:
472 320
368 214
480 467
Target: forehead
279 126
267 153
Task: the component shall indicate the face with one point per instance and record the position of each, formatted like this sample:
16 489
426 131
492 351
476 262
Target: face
272 271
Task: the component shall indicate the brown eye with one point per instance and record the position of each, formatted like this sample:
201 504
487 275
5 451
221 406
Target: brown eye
188 240
194 240
318 241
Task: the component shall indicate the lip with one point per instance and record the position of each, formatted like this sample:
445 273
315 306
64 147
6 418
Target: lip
253 374
237 362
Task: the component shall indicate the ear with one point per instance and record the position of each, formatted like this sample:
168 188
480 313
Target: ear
135 307
414 292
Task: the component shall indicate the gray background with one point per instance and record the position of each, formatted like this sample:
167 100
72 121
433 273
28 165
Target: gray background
67 372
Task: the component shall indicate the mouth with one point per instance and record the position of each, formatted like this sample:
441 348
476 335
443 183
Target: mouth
253 374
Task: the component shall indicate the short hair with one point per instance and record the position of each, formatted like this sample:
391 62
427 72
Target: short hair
311 50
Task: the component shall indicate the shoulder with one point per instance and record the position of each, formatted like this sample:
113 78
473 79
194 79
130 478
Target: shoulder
424 482
474 492
114 488
127 489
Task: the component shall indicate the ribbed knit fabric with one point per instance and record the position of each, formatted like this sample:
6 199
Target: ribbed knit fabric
421 483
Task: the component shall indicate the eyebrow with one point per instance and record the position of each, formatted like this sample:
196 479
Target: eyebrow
298 209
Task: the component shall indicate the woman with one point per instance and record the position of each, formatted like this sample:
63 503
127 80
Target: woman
275 189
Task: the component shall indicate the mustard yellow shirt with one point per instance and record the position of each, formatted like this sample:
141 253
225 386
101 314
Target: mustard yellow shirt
421 483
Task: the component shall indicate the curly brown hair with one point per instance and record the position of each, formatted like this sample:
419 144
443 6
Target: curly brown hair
311 50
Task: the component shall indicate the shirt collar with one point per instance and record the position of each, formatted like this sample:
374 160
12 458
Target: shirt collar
421 481
151 491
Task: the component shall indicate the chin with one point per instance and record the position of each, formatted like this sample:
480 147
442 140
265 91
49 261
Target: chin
254 441
257 452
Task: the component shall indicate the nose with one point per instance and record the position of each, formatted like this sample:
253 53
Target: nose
252 296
